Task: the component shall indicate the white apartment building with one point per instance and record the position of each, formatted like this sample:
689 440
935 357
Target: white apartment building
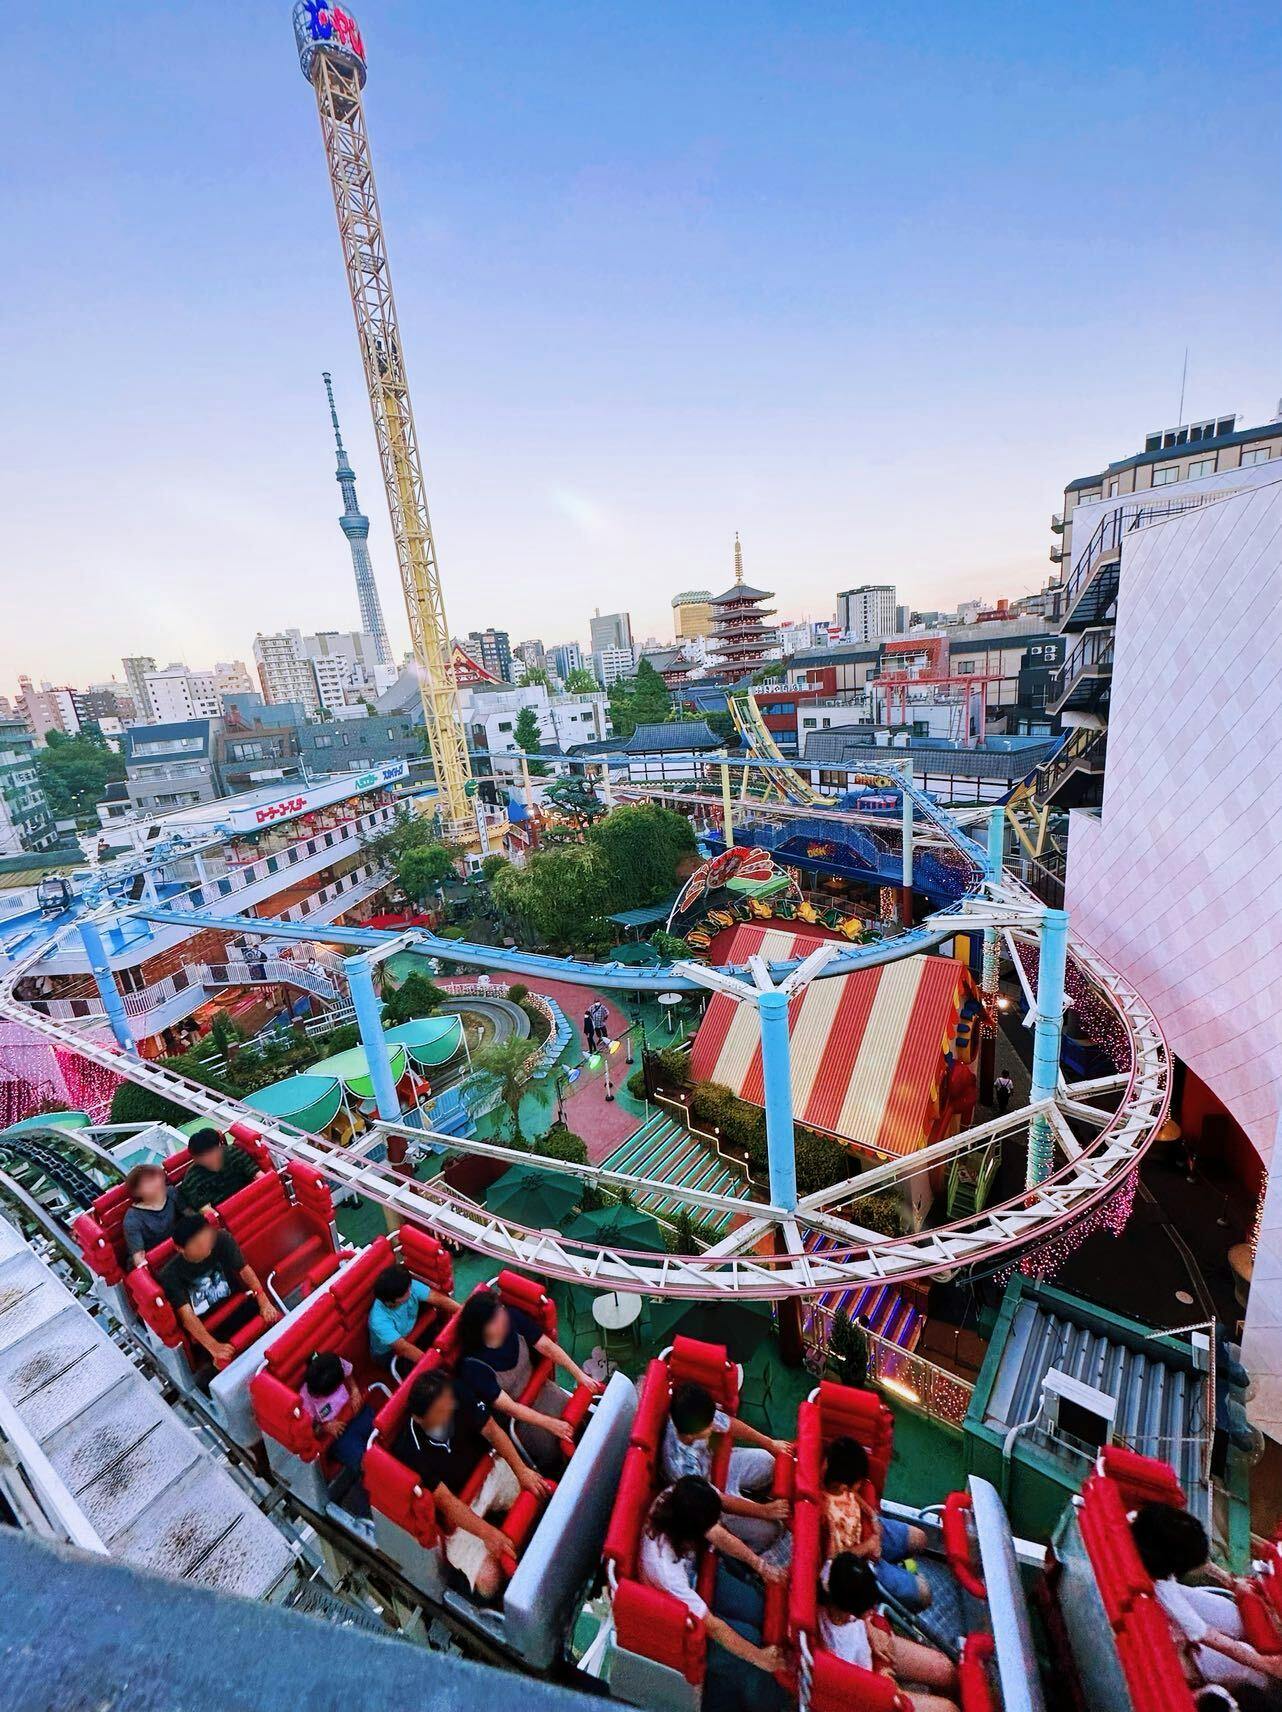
284 670
612 663
491 715
178 693
367 677
867 613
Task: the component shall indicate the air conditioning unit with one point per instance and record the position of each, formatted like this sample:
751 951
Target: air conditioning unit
1076 1411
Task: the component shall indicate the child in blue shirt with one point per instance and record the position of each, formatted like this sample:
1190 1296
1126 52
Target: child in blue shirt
399 1300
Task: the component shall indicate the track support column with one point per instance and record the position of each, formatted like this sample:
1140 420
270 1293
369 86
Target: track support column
906 841
369 1020
727 803
992 962
105 981
776 1070
1052 964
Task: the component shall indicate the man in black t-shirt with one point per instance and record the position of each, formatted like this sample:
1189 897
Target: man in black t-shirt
446 1433
202 1276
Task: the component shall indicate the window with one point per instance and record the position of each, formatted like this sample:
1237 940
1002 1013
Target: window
1168 473
1256 455
505 724
323 743
1113 488
1089 497
808 725
1202 467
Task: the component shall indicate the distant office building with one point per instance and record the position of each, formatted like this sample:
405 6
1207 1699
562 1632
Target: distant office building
611 663
869 613
136 668
25 820
692 614
110 700
611 630
284 670
493 649
532 655
564 658
52 707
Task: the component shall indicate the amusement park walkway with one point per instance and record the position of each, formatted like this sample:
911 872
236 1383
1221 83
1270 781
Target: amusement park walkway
602 1123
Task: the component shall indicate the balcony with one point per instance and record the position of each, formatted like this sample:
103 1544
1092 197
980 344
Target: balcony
1057 554
1083 682
1057 522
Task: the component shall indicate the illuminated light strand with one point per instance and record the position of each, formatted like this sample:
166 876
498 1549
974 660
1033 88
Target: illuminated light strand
1046 1258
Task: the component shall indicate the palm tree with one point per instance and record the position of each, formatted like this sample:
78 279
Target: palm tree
511 1064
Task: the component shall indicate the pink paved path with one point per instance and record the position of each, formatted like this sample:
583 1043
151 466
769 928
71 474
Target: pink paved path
602 1123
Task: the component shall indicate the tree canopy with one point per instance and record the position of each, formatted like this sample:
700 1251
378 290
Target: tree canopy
424 868
75 772
530 739
580 681
537 675
511 1063
417 996
641 700
642 847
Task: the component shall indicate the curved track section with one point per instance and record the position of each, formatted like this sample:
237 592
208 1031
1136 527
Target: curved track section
765 1254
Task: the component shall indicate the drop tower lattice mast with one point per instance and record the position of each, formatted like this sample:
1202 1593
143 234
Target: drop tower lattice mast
332 56
355 526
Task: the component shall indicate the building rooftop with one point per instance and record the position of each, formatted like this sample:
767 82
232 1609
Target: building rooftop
675 735
1164 454
739 592
852 746
174 731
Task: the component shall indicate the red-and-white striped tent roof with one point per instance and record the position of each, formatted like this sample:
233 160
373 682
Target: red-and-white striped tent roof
867 1049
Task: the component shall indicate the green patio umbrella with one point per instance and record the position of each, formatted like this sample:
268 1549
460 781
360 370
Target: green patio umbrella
637 954
618 1226
741 1326
537 1198
430 1041
352 1069
307 1102
48 1120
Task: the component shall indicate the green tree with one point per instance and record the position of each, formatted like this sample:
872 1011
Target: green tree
493 864
132 1104
417 996
75 772
651 703
530 739
510 1063
537 675
420 872
642 848
577 798
581 682
559 895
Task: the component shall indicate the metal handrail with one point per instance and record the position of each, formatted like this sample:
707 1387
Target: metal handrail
1094 649
1107 539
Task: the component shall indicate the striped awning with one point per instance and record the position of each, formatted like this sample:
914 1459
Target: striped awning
867 1049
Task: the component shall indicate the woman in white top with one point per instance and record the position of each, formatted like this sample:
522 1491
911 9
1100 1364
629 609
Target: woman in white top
1172 1543
684 1517
848 1591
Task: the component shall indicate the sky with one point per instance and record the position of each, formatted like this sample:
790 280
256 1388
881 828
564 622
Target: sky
867 283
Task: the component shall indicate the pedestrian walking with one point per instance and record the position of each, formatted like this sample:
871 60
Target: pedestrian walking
600 1021
589 1033
1003 1088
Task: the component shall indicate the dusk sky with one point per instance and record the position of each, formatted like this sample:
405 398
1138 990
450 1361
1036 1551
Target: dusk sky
867 283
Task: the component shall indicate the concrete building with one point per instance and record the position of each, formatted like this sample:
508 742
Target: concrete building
177 693
612 663
52 707
611 630
565 721
1178 880
532 655
25 820
284 670
867 613
564 658
692 614
136 668
493 650
1179 470
170 765
110 700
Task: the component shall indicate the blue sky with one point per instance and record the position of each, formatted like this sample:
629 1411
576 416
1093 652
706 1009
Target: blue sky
866 283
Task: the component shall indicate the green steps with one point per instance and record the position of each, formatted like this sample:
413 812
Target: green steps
663 1151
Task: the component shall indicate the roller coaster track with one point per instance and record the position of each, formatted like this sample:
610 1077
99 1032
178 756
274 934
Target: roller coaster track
765 1253
751 726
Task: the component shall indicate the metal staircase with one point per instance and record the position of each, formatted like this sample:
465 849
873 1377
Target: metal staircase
662 1149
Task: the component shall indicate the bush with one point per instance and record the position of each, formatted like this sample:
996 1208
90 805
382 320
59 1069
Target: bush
672 1067
450 933
131 1104
636 1085
881 1213
540 1027
561 1142
687 1235
416 996
493 864
821 1160
518 993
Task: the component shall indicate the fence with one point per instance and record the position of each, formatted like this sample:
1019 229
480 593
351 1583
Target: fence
906 1377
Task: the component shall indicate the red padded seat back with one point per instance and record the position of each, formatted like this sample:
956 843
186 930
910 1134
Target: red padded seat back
651 1418
974 1682
845 1412
353 1289
321 1328
836 1686
662 1627
807 1561
262 1221
632 1499
1140 1479
311 1193
1106 1534
1151 1661
425 1257
706 1364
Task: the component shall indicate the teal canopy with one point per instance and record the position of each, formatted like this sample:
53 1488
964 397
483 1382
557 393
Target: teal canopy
430 1041
539 1199
637 954
352 1070
308 1102
48 1120
618 1226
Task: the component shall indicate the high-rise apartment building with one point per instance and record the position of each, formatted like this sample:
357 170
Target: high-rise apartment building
52 707
136 668
611 630
1179 470
179 693
493 648
25 820
612 663
532 655
692 614
284 670
868 613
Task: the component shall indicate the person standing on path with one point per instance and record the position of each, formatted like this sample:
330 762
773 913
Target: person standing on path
1003 1088
600 1021
589 1034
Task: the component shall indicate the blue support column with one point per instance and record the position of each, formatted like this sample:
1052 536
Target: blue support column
1048 1033
369 1020
996 843
105 981
776 1070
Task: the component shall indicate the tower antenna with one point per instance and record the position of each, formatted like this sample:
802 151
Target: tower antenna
355 525
1183 381
738 559
331 54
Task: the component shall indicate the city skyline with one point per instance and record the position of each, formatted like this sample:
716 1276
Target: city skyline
809 361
